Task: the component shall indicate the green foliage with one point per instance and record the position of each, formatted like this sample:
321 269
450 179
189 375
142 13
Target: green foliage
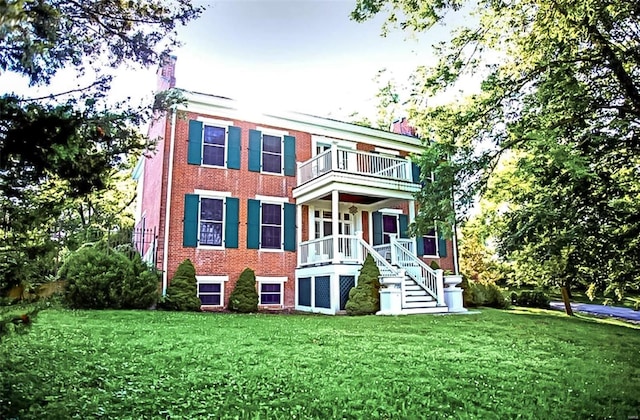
487 365
364 298
182 293
244 297
550 134
140 291
531 298
95 278
487 294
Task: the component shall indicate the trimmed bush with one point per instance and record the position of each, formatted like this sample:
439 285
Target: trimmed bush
487 294
182 293
531 299
141 290
364 298
244 297
95 278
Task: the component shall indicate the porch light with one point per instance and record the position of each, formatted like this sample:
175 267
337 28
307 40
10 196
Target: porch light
353 209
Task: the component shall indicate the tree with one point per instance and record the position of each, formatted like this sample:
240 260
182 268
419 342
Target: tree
182 293
68 145
560 93
364 298
244 297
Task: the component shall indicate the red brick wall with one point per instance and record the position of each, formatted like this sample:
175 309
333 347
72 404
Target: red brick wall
244 185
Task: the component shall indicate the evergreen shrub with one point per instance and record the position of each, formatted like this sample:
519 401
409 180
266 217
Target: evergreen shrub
141 290
182 293
532 299
244 297
487 294
364 298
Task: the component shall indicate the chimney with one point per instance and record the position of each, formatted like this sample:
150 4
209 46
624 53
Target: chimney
402 127
167 73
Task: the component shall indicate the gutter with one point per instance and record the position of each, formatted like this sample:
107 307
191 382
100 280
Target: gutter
167 212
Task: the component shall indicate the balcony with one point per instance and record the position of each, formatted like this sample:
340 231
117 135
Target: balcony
354 172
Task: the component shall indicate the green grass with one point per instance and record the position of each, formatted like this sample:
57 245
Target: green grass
491 365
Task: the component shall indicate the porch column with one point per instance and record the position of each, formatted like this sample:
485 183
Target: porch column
299 232
335 200
412 217
334 155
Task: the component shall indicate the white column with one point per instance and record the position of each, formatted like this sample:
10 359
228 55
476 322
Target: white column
335 201
412 217
334 156
299 231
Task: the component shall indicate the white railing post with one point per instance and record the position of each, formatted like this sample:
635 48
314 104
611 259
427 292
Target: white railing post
440 286
393 242
358 251
403 274
334 156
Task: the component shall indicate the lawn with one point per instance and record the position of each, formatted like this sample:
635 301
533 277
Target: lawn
148 364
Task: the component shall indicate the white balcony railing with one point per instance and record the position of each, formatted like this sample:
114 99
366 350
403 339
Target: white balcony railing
320 251
355 162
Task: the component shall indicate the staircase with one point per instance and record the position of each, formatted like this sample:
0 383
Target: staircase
422 287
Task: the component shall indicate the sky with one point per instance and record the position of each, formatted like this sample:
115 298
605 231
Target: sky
297 55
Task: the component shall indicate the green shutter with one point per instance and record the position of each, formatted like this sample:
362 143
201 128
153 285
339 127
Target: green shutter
253 224
255 147
442 246
190 232
415 172
289 227
194 152
420 246
404 224
231 223
377 228
233 148
289 155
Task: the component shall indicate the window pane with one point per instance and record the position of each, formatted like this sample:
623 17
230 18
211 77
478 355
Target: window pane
429 246
271 144
328 226
271 237
271 163
211 233
210 299
214 135
271 214
211 209
389 224
270 299
431 232
270 287
213 155
209 287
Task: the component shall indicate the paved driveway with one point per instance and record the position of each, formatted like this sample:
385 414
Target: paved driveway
602 310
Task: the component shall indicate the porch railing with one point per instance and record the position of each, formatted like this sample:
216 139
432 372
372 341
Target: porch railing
355 162
320 251
432 281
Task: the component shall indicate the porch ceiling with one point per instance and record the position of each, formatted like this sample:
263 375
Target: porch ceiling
355 198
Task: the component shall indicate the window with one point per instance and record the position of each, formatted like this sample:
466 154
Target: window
211 221
211 290
430 243
213 145
272 152
270 290
389 226
271 226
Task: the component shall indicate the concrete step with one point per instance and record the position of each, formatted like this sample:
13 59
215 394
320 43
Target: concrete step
430 310
420 304
419 298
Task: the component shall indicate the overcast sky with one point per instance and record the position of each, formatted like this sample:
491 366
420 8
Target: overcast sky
299 55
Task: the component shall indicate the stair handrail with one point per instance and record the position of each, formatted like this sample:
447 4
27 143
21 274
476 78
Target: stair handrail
386 269
432 281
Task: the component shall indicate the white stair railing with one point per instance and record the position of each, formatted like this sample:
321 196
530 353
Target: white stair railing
432 281
386 269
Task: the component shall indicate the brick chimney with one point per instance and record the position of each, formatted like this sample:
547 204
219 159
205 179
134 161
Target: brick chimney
402 127
167 73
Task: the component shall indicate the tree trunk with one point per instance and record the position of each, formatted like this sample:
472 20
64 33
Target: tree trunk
567 301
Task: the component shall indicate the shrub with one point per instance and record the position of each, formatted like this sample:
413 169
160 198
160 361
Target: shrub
182 293
244 297
487 294
141 290
95 278
532 299
364 298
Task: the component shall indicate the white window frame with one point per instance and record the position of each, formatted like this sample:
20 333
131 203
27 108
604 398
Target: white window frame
218 124
215 195
435 236
260 280
275 203
275 133
212 280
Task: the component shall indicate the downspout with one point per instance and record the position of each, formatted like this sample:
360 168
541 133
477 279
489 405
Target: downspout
167 205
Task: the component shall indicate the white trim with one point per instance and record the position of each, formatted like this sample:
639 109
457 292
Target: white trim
271 199
212 193
167 203
260 280
390 211
342 144
212 280
214 122
223 221
386 151
272 131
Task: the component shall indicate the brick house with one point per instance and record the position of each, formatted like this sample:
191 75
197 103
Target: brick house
299 199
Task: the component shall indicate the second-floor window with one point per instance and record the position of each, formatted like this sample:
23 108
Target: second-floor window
271 226
211 221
